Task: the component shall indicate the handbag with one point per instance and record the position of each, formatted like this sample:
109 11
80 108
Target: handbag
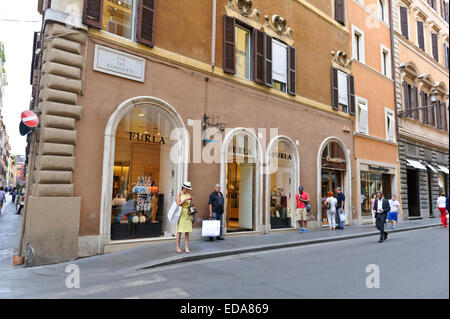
174 213
211 228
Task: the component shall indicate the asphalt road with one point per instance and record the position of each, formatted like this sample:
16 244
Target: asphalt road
413 264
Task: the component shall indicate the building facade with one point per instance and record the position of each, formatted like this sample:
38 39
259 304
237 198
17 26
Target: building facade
421 46
136 97
376 151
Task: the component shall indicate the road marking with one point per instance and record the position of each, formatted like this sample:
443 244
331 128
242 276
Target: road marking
172 293
156 278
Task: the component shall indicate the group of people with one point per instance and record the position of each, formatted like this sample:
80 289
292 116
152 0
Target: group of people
17 201
335 209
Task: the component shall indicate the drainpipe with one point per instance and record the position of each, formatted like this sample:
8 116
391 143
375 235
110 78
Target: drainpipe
213 36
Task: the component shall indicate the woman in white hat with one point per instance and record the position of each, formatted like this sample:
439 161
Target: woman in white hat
184 222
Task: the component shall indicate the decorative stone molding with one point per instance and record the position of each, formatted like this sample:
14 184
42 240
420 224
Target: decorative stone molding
340 60
244 11
276 27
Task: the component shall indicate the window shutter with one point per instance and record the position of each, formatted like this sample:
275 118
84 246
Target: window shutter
351 94
444 116
434 45
416 103
420 35
363 117
268 60
229 44
339 15
446 55
291 71
334 89
442 9
424 111
391 128
93 13
404 21
258 56
146 22
431 119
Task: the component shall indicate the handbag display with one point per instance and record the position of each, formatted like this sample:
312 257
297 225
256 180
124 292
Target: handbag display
211 228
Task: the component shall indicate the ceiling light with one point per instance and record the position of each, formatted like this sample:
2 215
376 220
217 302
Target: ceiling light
141 114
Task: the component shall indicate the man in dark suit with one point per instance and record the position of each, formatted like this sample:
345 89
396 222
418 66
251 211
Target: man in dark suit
381 208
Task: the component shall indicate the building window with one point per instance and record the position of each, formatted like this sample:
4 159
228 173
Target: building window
434 46
358 45
118 17
425 107
386 61
362 116
420 35
342 91
404 26
446 51
444 10
390 125
382 10
279 65
339 11
243 66
432 4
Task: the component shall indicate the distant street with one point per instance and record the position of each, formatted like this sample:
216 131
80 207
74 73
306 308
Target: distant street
412 264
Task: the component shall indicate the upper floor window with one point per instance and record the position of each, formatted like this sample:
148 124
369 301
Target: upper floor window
382 10
404 27
444 10
432 4
358 44
446 55
434 46
410 100
362 116
254 55
385 61
131 19
420 35
342 91
339 11
390 125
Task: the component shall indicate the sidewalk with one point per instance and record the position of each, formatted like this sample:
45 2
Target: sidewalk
164 254
10 225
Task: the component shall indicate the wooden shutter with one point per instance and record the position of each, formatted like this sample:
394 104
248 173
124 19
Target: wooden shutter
291 89
438 115
420 38
334 89
268 60
431 119
229 44
406 97
444 116
424 110
404 21
351 94
258 56
416 103
146 22
339 11
93 13
434 46
442 9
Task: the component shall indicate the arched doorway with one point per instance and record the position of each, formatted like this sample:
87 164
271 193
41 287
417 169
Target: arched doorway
241 179
334 171
144 164
282 180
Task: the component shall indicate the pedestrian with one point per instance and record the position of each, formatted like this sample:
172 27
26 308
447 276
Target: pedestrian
392 216
216 202
331 204
184 224
340 206
441 206
302 199
2 198
14 194
372 201
381 208
21 204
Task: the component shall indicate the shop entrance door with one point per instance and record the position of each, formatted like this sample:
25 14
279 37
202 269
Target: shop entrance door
413 192
430 194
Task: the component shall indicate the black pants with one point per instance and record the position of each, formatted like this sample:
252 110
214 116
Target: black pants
380 220
20 209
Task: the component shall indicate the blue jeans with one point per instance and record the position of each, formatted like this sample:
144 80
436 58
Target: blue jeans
340 223
217 216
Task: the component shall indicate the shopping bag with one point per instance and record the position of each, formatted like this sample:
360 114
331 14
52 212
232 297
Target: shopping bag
342 217
174 213
211 228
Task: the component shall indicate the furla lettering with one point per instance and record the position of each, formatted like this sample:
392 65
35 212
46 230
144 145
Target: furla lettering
191 309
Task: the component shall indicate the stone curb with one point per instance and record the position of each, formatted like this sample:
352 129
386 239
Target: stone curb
177 260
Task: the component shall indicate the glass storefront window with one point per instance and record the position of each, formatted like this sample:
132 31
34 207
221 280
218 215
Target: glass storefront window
281 186
118 17
371 183
141 174
243 52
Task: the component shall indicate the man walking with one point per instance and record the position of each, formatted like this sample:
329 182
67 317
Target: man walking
392 216
216 203
340 207
302 199
381 208
441 206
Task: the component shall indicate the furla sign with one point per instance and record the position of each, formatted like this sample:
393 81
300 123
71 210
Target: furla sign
118 63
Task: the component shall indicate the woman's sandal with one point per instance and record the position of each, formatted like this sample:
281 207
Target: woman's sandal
179 251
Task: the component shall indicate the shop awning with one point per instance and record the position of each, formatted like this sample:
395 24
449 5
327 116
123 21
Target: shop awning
431 167
415 164
443 169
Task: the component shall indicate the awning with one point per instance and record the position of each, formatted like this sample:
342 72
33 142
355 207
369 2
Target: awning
415 164
443 169
431 167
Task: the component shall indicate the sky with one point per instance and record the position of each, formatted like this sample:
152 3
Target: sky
18 21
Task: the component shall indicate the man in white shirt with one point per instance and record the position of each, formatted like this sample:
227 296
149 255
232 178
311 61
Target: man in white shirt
392 216
441 201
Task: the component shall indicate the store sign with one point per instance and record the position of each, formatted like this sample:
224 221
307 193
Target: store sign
335 160
119 63
147 138
239 151
379 169
283 156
